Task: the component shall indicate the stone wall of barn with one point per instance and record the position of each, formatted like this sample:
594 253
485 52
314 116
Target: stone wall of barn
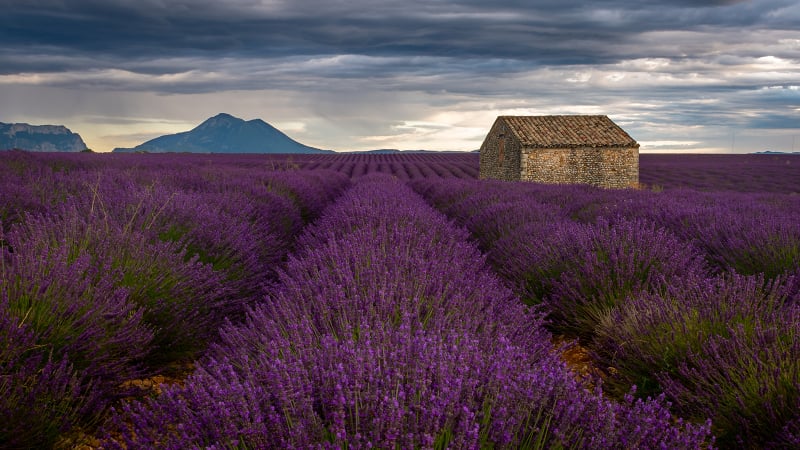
607 167
500 154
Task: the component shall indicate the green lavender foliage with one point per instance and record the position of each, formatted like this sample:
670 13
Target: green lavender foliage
393 344
725 349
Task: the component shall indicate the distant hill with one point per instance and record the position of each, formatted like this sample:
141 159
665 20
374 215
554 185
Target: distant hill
225 133
39 138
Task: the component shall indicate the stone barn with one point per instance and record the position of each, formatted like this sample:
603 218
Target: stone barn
560 149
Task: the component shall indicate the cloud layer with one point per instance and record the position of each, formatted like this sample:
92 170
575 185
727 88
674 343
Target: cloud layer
678 75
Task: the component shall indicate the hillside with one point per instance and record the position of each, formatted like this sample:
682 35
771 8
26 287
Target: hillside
39 138
225 133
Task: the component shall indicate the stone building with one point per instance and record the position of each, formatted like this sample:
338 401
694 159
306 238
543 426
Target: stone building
560 149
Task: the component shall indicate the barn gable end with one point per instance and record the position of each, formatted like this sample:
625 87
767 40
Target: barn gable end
500 154
560 149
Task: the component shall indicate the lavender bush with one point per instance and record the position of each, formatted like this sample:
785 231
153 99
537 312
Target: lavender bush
725 226
746 233
15 199
747 381
742 173
613 262
752 241
350 361
183 301
108 239
583 272
41 395
391 388
311 193
731 366
73 306
41 399
114 268
726 349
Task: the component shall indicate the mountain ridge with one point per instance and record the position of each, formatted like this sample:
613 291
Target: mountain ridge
225 133
39 138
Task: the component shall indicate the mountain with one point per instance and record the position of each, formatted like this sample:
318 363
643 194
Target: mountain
39 138
225 133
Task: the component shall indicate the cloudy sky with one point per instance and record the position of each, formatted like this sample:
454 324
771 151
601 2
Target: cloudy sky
678 75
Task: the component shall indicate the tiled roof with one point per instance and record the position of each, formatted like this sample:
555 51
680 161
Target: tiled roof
568 131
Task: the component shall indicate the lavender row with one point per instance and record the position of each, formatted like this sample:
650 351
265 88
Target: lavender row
121 273
388 330
714 173
672 292
726 348
720 172
741 173
746 233
31 182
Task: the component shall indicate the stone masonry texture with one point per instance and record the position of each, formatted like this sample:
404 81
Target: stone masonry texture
560 149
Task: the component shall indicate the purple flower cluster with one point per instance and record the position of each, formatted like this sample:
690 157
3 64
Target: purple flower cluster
405 166
748 235
121 271
726 349
382 324
387 329
68 336
41 395
686 294
720 172
581 271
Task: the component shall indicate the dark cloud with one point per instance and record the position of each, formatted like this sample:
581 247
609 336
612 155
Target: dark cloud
689 63
550 32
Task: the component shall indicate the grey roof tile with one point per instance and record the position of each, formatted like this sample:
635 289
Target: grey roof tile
568 131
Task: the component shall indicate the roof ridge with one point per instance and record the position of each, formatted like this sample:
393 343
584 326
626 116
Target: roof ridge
568 131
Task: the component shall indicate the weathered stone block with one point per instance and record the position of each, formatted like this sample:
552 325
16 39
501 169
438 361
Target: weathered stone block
560 149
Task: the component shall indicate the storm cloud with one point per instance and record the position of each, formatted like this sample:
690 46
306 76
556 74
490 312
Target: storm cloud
678 75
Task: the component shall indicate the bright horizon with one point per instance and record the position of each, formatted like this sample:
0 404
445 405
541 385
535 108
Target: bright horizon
694 77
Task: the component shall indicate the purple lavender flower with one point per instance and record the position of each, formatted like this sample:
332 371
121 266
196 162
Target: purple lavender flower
73 305
41 395
726 349
379 335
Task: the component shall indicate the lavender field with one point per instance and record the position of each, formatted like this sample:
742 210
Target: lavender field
395 301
